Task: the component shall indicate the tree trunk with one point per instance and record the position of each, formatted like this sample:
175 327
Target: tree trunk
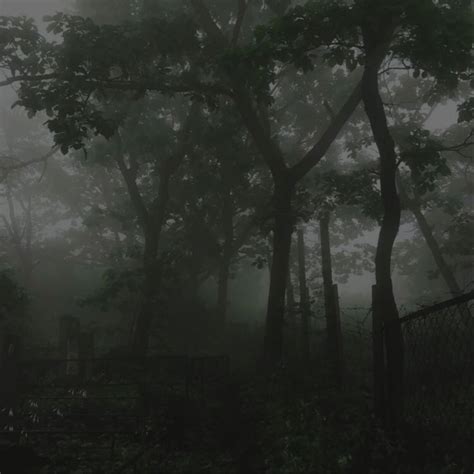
21 236
152 274
333 324
290 314
290 298
151 221
378 359
226 258
151 267
304 297
282 231
290 295
386 305
431 242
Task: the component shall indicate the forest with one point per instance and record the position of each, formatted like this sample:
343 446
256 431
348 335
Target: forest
236 237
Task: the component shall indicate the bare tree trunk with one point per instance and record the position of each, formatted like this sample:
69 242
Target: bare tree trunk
21 235
226 258
290 295
378 359
282 231
290 312
304 297
333 323
147 310
151 221
151 267
433 245
386 307
443 267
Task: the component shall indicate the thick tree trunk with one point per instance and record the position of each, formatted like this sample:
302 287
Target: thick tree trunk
290 297
223 289
151 267
386 307
226 258
304 298
443 267
333 323
282 231
151 283
292 323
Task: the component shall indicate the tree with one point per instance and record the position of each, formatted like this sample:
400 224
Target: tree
304 298
12 294
375 34
92 119
245 74
424 165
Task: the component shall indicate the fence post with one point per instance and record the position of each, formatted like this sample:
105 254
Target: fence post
86 354
378 357
10 383
69 337
338 338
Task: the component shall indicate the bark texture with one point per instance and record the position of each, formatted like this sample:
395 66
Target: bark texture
226 258
282 231
385 307
333 324
304 298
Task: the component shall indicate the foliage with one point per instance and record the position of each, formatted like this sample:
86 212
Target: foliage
12 295
356 188
466 111
90 60
426 162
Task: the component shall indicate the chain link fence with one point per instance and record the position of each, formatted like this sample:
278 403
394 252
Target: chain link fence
439 372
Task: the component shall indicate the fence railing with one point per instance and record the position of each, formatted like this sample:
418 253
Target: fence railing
439 369
101 406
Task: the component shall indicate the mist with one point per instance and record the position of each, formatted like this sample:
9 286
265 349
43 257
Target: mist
236 236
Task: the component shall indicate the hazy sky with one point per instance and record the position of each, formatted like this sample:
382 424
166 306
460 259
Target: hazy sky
442 118
34 8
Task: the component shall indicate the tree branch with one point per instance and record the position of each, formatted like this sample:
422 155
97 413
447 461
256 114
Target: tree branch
129 85
242 8
208 23
314 156
460 146
132 187
267 147
9 168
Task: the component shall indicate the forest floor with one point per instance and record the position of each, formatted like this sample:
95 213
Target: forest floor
298 427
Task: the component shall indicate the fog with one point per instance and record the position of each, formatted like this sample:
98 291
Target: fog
240 205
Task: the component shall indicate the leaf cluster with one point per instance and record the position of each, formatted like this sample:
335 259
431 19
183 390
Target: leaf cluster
12 295
423 157
357 188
